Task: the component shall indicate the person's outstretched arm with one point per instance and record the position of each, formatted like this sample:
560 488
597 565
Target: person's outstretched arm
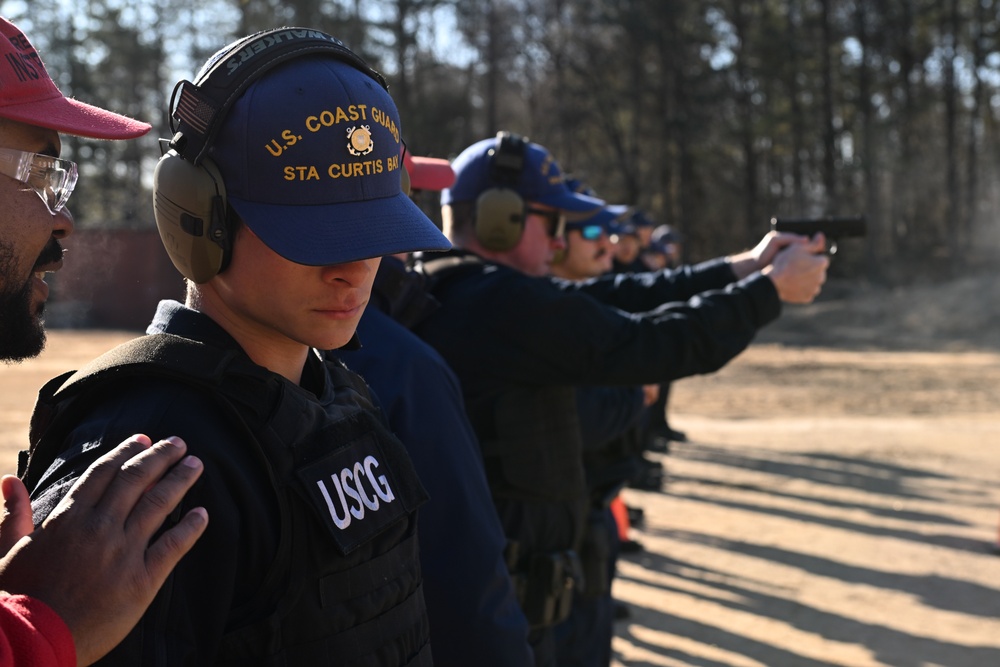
91 560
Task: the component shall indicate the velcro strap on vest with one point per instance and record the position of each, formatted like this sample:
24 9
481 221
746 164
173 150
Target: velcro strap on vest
345 645
350 648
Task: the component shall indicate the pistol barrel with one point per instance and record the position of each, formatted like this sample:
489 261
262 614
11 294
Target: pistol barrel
832 227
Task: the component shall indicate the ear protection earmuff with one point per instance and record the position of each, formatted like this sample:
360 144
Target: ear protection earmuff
189 204
500 210
189 196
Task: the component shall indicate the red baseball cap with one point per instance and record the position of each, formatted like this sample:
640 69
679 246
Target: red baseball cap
28 95
428 173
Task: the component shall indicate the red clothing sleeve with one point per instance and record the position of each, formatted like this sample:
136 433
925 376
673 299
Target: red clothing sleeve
33 635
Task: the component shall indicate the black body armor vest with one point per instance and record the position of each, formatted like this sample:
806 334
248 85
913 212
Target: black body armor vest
345 586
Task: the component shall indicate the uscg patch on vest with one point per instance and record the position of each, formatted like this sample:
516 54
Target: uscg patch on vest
355 491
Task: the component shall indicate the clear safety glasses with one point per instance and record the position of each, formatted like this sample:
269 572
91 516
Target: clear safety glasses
52 178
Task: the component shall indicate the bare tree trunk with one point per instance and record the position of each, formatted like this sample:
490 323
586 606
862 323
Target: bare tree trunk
970 222
492 69
797 120
356 31
632 134
949 33
741 23
668 115
564 145
867 147
902 200
401 93
829 131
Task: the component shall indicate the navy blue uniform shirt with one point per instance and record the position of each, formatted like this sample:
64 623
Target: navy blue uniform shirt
475 618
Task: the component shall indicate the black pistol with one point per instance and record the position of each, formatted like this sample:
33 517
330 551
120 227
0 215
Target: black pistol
832 227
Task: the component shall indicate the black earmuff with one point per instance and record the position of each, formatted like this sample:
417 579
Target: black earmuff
189 196
500 210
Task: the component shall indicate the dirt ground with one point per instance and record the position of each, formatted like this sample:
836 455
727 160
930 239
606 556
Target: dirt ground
838 502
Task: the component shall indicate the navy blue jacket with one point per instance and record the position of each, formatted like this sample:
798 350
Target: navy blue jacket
499 328
475 618
606 413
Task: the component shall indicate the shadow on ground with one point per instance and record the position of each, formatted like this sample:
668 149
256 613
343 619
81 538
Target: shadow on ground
748 481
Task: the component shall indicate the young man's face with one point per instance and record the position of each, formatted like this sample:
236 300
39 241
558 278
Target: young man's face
655 260
645 235
589 253
275 301
539 243
627 248
29 246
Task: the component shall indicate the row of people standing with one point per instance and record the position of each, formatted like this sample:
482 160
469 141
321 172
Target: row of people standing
611 419
280 194
521 344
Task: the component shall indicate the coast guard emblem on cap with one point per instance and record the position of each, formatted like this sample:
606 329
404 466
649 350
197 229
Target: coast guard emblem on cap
360 141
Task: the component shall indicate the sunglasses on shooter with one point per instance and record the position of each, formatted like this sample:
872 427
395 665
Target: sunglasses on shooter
52 178
555 220
589 231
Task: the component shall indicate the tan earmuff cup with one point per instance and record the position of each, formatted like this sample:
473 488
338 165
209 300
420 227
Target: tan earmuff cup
499 219
185 198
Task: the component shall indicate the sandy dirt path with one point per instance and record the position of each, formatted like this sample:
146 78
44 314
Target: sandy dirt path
831 508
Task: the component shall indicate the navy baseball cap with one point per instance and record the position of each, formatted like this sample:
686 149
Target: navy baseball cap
658 247
665 234
541 180
627 228
640 219
310 155
576 185
607 217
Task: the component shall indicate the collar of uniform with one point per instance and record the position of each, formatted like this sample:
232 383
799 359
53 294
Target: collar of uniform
175 318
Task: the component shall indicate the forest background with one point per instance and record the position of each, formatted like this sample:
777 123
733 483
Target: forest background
711 116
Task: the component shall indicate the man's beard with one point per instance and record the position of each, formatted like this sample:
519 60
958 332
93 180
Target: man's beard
21 333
